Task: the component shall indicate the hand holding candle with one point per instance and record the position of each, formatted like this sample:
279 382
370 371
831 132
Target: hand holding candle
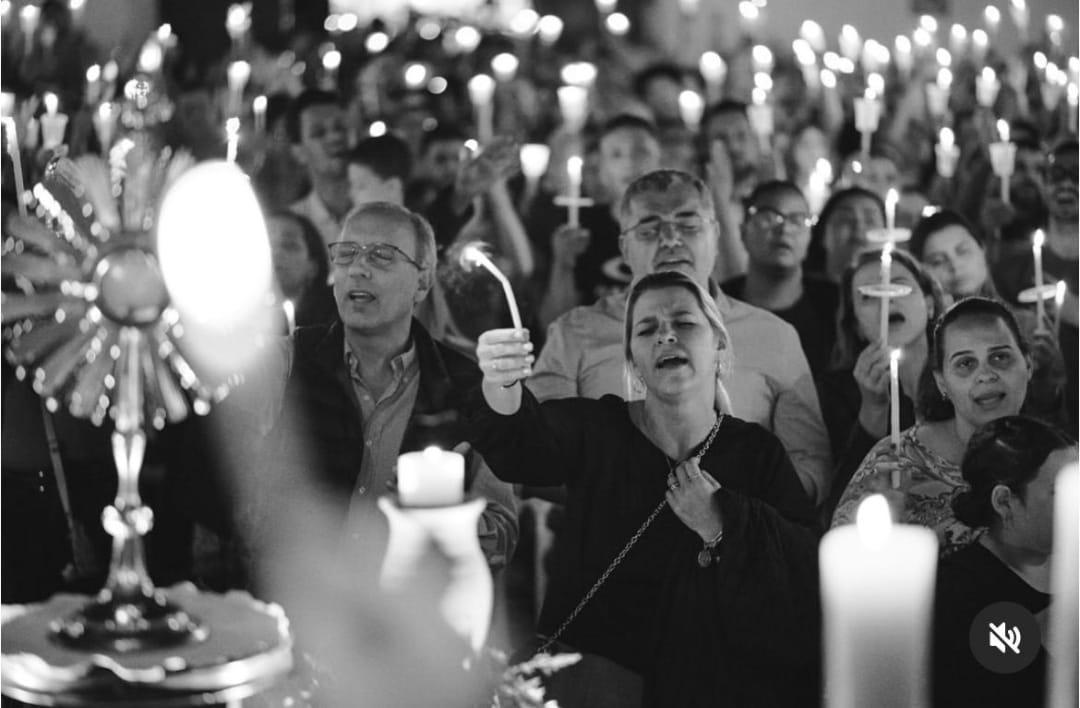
473 255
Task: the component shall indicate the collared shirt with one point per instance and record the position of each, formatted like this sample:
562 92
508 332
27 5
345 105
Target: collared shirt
770 383
315 210
383 419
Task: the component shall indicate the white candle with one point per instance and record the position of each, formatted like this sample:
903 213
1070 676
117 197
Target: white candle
948 154
992 18
877 587
1003 158
232 138
1037 241
551 28
817 188
850 42
53 123
472 254
534 161
572 105
290 315
980 41
237 74
937 98
481 91
886 284
258 110
761 116
867 117
151 57
713 69
691 108
432 477
1060 290
894 406
987 87
93 84
574 165
16 158
237 23
331 61
105 125
903 55
1061 645
811 31
505 66
892 198
109 73
1018 10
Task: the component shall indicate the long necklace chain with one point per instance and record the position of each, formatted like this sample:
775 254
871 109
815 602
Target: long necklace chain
625 549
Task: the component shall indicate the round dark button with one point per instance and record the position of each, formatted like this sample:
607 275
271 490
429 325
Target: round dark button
1005 637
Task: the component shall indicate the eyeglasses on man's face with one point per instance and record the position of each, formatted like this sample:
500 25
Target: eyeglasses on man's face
377 255
650 228
772 219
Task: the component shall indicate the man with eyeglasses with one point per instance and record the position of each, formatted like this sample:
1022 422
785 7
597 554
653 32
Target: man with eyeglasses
668 223
337 403
776 234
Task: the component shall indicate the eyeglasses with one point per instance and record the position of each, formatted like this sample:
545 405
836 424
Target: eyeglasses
768 218
649 228
376 255
1061 173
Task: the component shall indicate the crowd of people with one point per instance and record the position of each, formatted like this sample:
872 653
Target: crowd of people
701 383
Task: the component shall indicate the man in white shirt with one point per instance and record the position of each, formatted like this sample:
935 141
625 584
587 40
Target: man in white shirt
316 124
668 223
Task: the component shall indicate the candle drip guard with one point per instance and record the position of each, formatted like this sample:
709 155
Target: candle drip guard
94 327
885 291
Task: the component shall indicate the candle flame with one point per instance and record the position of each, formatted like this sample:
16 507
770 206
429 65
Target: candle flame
992 15
946 138
258 104
874 521
712 67
473 254
534 159
1038 239
52 103
1003 130
331 60
93 73
481 89
894 357
1059 292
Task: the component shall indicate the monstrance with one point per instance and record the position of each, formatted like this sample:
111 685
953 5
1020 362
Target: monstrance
103 322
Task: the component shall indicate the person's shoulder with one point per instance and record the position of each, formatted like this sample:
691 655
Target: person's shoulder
820 288
586 318
758 329
748 434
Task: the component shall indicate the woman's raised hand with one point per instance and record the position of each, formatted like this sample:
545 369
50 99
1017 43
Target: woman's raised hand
690 495
505 357
871 373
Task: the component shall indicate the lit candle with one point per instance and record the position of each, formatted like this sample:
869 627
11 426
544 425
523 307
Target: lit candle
958 38
1072 96
238 74
762 58
472 255
1018 10
109 74
850 42
1061 645
894 407
289 309
237 23
13 150
886 284
937 96
481 91
1054 27
505 66
550 27
749 17
573 101
331 61
987 87
29 17
761 116
617 24
534 163
579 73
892 198
992 19
980 42
573 174
467 38
903 55
416 75
258 110
53 123
232 138
714 71
867 116
877 589
151 56
431 477
948 154
1060 290
105 125
817 188
1003 158
811 31
93 84
1037 241
691 108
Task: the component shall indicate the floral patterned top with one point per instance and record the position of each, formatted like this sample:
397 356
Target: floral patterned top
929 484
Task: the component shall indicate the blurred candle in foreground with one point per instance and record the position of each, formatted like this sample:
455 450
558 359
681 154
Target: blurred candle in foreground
987 87
331 61
817 188
903 56
504 66
550 28
867 116
1037 241
53 123
258 110
850 42
534 162
877 587
1062 642
980 42
431 477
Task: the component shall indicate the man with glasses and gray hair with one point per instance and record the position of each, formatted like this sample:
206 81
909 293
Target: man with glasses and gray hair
668 222
337 403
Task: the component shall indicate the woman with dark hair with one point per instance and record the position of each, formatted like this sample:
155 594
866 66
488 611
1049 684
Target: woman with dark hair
840 230
981 368
854 393
1010 466
710 587
952 251
301 267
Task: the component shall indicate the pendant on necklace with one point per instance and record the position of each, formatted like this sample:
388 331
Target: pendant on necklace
704 558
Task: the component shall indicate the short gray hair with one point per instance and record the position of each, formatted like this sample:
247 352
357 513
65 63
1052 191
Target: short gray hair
425 234
661 181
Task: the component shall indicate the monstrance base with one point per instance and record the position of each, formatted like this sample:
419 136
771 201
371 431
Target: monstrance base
246 648
109 623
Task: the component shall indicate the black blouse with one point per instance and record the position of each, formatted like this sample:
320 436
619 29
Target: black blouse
718 635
